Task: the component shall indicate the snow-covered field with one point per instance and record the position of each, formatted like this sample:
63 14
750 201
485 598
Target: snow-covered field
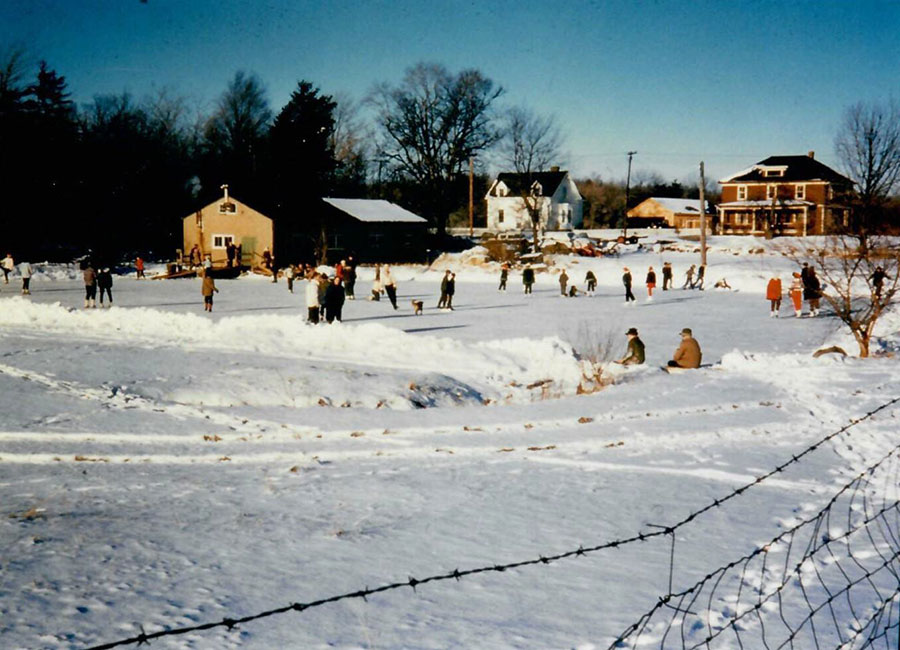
161 467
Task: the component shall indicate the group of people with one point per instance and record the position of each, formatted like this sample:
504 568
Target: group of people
94 280
8 265
805 285
688 354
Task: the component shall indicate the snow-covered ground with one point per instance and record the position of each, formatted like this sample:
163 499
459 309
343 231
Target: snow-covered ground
162 467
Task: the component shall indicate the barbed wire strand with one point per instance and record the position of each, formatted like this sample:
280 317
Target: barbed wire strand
231 623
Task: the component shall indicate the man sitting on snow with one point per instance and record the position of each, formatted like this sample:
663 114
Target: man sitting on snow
688 354
635 353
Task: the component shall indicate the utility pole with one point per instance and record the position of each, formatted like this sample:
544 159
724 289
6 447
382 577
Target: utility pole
471 198
627 195
702 216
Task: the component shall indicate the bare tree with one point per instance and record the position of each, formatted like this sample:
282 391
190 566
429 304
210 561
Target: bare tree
529 144
431 124
868 145
349 141
860 278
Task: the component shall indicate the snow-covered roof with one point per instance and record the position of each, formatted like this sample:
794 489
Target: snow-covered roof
375 210
680 206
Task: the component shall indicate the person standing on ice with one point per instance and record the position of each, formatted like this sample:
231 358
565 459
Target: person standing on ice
701 273
289 272
390 285
7 265
90 285
334 300
689 278
139 267
208 289
667 276
350 278
651 282
591 281
442 302
796 293
563 282
626 280
312 298
636 351
528 279
812 291
105 283
451 289
773 295
26 272
688 354
504 276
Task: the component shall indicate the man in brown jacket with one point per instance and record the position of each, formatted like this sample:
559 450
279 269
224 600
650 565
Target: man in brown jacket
688 353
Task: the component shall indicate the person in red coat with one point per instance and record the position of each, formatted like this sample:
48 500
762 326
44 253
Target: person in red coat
773 295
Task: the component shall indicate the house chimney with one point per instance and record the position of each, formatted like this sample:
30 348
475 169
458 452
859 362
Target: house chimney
555 168
225 187
811 154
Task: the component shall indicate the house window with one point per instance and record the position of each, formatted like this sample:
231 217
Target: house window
741 192
222 241
773 172
771 191
800 192
227 208
499 216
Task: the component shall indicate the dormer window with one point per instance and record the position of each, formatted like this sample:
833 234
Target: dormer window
774 172
741 192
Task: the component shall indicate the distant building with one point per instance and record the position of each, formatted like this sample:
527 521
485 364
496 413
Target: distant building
226 221
784 195
674 213
373 230
558 200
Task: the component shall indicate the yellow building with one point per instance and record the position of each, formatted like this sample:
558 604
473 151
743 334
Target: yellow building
228 221
674 213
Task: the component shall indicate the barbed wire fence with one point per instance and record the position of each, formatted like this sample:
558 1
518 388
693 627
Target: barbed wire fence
842 563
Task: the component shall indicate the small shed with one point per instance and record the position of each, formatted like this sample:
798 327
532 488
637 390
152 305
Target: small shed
673 213
227 221
373 230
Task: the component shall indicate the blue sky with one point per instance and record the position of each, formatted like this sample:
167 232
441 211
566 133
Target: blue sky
679 82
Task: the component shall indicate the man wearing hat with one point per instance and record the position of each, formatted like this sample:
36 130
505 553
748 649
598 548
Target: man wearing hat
688 354
635 353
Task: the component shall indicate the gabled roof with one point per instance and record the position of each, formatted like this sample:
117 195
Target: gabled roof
375 210
521 183
796 168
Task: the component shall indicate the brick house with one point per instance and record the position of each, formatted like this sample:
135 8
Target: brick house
558 200
784 195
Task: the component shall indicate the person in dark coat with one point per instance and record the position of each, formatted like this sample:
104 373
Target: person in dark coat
701 273
591 281
229 253
444 282
667 275
812 291
451 289
689 278
504 276
651 282
105 283
635 354
626 280
334 300
528 279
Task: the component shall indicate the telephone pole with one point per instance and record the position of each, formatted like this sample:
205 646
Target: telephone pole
702 216
471 198
627 195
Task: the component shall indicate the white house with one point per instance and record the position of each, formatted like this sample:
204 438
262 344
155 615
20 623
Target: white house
557 197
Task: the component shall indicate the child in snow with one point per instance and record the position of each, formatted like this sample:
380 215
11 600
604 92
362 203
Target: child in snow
651 282
667 276
7 265
90 285
504 276
208 288
689 278
563 281
773 295
626 280
26 272
528 279
390 285
591 280
104 283
139 267
312 298
796 292
444 283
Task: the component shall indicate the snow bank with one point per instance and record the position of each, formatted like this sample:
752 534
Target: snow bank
501 370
